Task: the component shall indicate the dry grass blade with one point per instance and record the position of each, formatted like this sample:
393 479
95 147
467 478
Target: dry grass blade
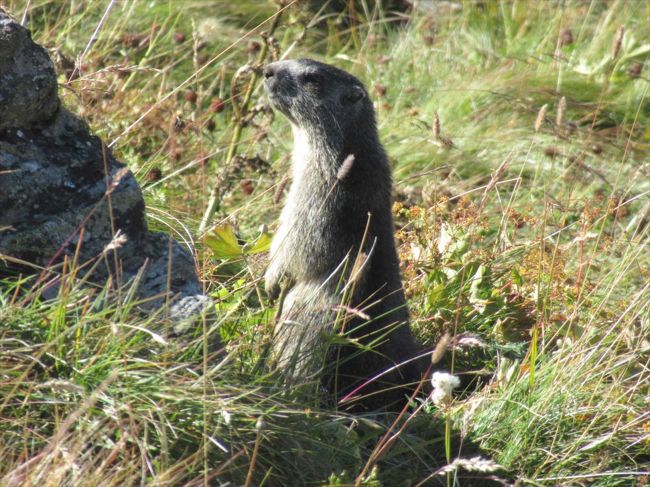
352 311
116 179
496 176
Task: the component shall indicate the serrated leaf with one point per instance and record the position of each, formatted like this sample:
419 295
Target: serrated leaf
223 242
260 245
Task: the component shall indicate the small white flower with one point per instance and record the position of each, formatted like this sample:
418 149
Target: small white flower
210 29
439 396
443 383
227 417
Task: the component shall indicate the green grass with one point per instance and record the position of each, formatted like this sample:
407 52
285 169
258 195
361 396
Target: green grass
530 237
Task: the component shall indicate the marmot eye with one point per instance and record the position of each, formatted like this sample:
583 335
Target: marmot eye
355 94
312 78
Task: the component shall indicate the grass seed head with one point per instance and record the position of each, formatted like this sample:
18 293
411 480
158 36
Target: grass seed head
178 37
561 107
116 179
441 347
277 196
566 37
435 126
345 168
117 242
541 114
475 464
634 71
618 42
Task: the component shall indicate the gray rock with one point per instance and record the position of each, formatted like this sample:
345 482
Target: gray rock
27 78
61 190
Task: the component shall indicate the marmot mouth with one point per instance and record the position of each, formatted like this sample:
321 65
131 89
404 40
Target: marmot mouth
271 92
276 101
279 103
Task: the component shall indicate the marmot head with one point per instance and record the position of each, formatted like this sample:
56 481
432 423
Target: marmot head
320 98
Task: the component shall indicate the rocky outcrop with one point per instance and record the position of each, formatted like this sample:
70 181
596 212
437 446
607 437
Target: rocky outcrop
27 78
62 193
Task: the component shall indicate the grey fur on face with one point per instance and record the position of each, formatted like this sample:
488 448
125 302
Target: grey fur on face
334 247
324 100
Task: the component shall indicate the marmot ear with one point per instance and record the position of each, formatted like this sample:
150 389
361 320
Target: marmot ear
355 94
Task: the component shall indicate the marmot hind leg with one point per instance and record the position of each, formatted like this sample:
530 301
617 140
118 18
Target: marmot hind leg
301 335
307 349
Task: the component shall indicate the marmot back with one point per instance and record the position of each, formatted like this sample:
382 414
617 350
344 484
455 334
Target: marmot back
335 243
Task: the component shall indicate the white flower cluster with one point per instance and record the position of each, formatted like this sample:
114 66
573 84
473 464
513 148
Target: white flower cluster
443 383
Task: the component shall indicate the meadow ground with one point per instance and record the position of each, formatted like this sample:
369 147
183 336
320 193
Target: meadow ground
519 137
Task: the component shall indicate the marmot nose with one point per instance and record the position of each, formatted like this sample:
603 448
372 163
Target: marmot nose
269 71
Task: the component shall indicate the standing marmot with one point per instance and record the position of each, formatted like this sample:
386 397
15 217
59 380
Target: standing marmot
335 243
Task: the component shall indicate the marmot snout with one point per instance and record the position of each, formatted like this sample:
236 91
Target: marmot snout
335 246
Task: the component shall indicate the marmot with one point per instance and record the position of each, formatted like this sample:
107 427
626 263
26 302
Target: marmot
335 243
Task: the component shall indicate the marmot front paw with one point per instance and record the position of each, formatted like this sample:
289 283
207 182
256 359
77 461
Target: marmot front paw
272 290
272 280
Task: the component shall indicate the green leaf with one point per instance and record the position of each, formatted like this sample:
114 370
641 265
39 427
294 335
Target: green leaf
516 277
640 51
223 242
260 245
